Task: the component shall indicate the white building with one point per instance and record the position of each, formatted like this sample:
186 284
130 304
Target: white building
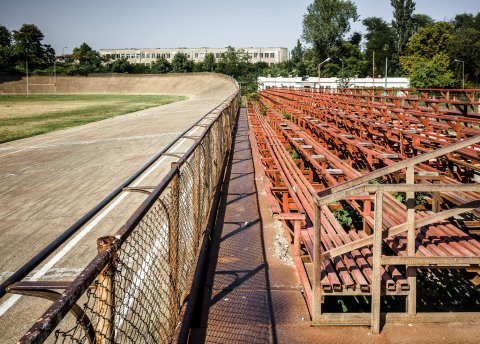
147 56
313 82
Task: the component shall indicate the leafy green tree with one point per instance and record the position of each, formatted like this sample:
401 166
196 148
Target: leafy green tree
121 66
356 38
421 20
209 63
229 63
426 57
466 21
427 42
354 61
297 59
466 45
402 23
325 24
381 40
28 47
181 63
5 49
198 66
161 66
85 55
432 72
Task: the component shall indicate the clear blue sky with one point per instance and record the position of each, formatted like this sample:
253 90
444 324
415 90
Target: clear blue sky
187 23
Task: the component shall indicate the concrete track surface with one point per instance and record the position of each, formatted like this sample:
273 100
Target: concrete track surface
49 181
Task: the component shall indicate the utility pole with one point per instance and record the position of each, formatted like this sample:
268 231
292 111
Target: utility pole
373 69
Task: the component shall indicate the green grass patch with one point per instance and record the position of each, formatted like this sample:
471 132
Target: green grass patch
22 117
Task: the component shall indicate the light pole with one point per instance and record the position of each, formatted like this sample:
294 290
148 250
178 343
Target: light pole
463 72
319 65
63 52
342 64
386 71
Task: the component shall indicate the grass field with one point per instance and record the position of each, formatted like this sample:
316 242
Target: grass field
22 117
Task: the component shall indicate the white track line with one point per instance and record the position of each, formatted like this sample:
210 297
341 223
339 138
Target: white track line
8 303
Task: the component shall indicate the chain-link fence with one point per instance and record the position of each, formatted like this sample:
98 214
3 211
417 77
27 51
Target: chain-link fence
133 291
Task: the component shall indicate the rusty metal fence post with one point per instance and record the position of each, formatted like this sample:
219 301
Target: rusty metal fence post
105 293
317 268
411 236
377 264
173 246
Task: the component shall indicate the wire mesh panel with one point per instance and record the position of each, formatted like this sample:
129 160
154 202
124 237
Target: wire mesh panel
138 294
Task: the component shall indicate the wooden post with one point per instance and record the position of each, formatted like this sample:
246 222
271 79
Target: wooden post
411 234
317 268
104 306
377 264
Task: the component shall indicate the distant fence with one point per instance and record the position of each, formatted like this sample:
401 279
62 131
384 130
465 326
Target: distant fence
134 289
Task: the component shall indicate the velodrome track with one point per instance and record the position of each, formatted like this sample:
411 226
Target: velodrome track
49 181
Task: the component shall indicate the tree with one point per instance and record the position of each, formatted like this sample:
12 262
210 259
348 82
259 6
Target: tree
85 55
297 59
181 63
5 49
28 47
427 42
161 66
421 20
231 62
381 40
466 45
121 66
209 63
466 21
432 72
325 24
402 23
426 57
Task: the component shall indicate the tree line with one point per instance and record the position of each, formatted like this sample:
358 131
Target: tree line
432 53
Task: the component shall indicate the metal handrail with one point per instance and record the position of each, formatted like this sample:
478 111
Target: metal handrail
396 167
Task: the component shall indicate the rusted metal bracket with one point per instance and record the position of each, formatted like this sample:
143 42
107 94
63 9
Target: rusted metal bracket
43 289
141 189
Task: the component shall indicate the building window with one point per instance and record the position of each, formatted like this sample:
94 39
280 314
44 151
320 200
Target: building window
138 56
261 55
272 55
167 55
122 56
128 56
255 55
217 55
118 56
196 55
142 55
